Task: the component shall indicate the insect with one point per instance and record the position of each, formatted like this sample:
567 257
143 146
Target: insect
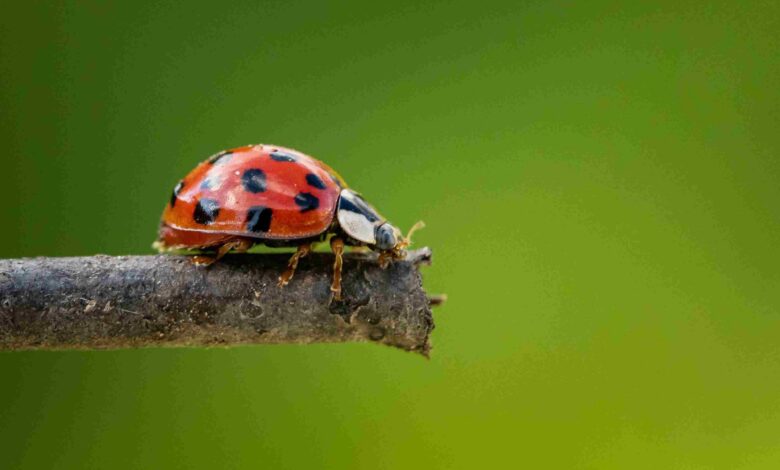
266 194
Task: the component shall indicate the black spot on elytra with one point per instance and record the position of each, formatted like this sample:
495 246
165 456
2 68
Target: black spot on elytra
315 181
210 182
279 156
253 180
307 201
175 193
221 157
258 219
206 211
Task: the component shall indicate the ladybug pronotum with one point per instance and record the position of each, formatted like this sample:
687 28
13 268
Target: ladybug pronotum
266 194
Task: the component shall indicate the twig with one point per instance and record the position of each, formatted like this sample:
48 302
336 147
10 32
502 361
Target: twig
136 301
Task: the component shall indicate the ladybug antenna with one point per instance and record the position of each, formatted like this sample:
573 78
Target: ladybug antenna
407 240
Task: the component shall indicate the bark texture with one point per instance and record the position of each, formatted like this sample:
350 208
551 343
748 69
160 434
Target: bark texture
139 301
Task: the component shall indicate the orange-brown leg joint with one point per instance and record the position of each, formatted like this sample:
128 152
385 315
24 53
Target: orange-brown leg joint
302 251
384 259
337 246
238 246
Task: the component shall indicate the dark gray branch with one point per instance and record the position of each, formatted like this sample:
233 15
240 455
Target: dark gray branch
136 301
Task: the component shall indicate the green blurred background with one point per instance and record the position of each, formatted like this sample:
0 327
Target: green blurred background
600 183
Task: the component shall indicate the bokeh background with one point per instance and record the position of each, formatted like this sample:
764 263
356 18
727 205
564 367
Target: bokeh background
600 182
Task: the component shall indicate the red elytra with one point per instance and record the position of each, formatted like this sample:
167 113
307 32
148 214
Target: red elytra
216 200
276 196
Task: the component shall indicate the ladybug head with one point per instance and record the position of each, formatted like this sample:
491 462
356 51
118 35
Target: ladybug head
363 224
387 236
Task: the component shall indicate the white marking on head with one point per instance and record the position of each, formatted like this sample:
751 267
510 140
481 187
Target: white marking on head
357 218
357 227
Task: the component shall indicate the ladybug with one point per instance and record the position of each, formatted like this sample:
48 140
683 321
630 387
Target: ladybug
276 196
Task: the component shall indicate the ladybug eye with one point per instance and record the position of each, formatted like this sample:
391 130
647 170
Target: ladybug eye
385 237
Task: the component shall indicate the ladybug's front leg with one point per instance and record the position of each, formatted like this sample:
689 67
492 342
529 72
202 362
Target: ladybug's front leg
384 259
337 245
302 251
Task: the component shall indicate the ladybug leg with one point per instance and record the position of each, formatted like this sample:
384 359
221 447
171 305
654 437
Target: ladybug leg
302 251
238 246
337 245
384 259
